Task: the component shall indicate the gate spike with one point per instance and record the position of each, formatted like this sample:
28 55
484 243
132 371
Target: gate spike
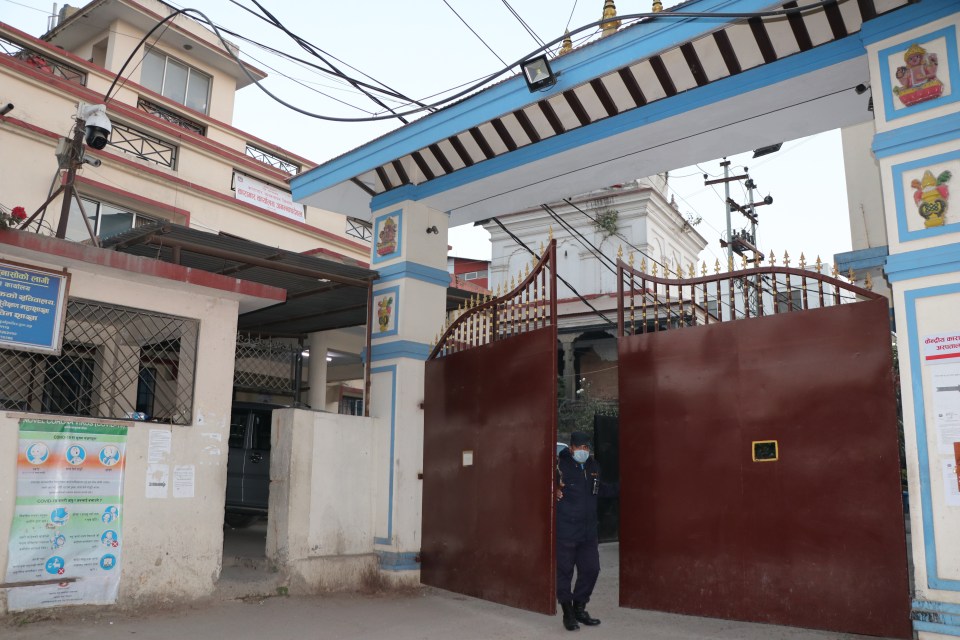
653 270
620 253
759 258
703 268
679 271
631 258
803 261
542 248
819 265
786 259
513 283
691 270
643 265
743 261
835 273
550 233
526 271
499 290
773 258
716 267
868 283
851 277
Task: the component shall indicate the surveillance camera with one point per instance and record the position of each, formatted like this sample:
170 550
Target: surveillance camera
93 162
98 126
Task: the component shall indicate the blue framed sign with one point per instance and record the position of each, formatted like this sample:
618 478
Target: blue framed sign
33 305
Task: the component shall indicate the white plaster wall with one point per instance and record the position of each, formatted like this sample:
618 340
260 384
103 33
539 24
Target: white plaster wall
864 194
172 548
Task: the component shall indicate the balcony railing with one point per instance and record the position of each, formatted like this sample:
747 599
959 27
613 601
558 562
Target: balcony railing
359 229
274 161
171 117
42 62
143 145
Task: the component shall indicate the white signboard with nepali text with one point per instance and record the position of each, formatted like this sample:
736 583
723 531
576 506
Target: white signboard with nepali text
32 307
941 346
267 197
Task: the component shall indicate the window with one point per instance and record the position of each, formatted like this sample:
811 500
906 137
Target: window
789 302
174 80
475 275
143 145
351 406
146 390
105 219
273 160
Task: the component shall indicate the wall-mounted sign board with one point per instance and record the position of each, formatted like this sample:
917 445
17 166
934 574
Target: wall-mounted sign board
33 307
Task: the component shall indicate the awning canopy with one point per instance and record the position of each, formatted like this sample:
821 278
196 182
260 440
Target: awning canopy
322 294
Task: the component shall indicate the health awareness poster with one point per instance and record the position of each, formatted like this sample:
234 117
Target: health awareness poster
67 528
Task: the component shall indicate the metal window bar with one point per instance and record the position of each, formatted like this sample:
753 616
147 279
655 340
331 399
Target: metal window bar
100 370
724 297
527 306
273 160
144 146
359 229
171 117
43 63
266 365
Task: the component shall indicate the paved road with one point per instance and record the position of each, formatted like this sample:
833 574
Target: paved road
424 614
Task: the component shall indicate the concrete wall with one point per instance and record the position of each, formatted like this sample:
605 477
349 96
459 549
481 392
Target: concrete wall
172 548
322 492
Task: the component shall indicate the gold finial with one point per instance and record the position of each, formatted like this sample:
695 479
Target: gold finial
850 276
631 258
526 271
542 248
758 259
679 271
550 233
868 283
567 45
643 265
716 267
499 290
803 261
620 253
653 269
703 269
773 258
609 11
743 261
691 270
513 283
657 6
786 259
835 273
819 265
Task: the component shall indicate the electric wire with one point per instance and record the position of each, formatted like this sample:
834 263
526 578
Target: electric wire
479 37
507 68
533 34
559 277
574 8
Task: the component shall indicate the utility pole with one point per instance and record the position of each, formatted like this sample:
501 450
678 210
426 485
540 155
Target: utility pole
726 180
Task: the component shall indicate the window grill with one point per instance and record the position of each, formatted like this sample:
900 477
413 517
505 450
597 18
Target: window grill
42 62
144 145
274 161
171 117
115 362
359 229
268 366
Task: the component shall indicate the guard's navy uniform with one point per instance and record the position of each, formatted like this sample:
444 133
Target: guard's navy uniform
577 541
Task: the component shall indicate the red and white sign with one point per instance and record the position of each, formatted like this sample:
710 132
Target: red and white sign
941 346
267 197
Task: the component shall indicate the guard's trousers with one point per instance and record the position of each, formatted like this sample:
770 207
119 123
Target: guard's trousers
585 556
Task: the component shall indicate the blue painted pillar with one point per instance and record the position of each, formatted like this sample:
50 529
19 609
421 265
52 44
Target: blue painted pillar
410 253
915 82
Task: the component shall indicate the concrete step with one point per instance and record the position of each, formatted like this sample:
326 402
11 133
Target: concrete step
238 582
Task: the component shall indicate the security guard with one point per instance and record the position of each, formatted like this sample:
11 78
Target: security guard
578 487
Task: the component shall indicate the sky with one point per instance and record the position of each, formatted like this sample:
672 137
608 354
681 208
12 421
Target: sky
422 47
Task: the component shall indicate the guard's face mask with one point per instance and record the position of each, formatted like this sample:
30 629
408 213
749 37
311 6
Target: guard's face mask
581 455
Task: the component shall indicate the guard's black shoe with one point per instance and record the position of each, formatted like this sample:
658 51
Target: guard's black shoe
569 618
580 613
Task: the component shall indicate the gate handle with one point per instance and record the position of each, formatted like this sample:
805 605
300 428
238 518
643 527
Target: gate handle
257 457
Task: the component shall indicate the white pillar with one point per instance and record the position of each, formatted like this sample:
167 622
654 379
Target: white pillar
410 253
317 371
918 139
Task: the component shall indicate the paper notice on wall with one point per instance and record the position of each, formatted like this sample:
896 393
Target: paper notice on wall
946 405
158 447
158 479
951 489
67 521
184 480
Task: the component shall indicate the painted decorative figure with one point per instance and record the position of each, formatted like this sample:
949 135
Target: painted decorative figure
384 309
918 79
387 243
931 197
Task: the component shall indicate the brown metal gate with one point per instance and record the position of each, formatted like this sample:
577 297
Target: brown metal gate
490 423
759 458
